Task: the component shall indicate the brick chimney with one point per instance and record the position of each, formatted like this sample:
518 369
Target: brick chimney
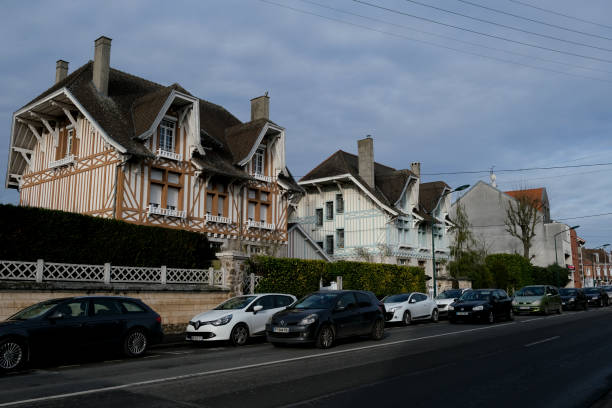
415 168
61 70
260 107
101 67
365 149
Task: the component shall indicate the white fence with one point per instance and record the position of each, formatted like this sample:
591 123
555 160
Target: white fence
250 282
48 271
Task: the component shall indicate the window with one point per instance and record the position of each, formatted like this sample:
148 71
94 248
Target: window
319 216
131 307
340 238
329 244
166 135
329 209
216 199
282 301
320 244
259 206
339 203
67 143
363 300
347 301
165 189
266 301
258 161
105 307
74 309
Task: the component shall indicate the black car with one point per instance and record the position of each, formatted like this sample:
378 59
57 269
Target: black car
64 326
597 296
322 317
574 299
486 305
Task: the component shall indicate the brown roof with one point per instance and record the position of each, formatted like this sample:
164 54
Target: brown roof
241 138
533 195
430 193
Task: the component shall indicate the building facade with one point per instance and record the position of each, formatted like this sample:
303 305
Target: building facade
106 143
357 209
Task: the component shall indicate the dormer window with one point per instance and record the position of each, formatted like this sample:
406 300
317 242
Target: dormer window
258 161
166 135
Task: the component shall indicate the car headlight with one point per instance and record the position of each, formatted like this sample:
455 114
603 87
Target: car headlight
595 297
477 308
536 303
571 299
310 319
392 309
222 320
514 303
451 307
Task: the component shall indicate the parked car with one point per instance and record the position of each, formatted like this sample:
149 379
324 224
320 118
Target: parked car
486 305
237 318
410 307
572 298
446 298
322 317
608 289
537 299
63 326
597 296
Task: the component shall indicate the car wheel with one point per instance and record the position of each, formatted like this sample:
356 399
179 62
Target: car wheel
12 354
407 319
510 315
239 335
378 330
326 336
135 343
491 317
434 316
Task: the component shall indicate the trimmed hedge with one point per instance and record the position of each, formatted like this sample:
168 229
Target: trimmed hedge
28 234
509 270
300 277
551 275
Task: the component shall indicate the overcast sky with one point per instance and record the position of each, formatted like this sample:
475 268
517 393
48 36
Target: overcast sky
453 106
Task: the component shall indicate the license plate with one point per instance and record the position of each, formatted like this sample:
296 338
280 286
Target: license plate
524 308
196 338
463 313
563 303
281 330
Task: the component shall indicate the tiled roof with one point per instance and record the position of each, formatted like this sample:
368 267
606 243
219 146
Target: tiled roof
533 195
430 193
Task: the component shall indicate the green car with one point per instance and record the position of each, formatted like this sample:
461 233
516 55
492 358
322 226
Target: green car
537 299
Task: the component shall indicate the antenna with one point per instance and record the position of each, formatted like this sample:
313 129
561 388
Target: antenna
493 177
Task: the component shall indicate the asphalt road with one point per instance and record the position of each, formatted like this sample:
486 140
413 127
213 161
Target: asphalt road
553 361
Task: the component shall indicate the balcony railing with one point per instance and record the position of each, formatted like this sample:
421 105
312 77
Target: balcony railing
166 212
259 224
168 154
63 162
217 218
261 177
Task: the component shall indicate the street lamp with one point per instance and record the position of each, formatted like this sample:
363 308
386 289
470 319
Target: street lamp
599 247
433 245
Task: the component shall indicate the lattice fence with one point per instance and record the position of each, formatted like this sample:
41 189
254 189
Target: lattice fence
250 282
50 271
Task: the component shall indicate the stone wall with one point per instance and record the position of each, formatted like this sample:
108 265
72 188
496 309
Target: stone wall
176 304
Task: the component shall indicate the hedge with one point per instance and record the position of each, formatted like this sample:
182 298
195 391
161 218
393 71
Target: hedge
300 277
510 271
28 234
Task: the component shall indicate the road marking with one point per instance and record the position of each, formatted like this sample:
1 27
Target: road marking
244 367
542 341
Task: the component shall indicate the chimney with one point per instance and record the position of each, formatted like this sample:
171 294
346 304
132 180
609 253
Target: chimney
101 65
260 107
365 149
415 167
61 70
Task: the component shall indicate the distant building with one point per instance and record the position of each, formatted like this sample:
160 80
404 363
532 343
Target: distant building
597 266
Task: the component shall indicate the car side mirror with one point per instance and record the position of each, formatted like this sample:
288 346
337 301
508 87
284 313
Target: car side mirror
56 315
257 309
412 301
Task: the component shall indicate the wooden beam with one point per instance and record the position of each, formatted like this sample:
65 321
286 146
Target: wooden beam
63 105
45 120
22 150
35 133
66 108
43 116
339 187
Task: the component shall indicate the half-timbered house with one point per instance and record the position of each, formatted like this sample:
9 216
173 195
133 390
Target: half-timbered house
109 144
358 209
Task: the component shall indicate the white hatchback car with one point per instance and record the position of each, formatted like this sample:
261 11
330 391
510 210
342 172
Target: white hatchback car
237 318
408 307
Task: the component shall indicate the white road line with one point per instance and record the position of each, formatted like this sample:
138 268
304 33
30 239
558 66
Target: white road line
244 367
542 341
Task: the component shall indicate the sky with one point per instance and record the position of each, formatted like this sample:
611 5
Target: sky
460 86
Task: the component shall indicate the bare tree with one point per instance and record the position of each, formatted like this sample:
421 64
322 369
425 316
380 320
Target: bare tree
522 216
363 254
385 251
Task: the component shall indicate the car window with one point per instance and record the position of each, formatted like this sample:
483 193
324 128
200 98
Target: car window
266 301
346 300
282 301
502 294
103 307
77 308
363 300
131 307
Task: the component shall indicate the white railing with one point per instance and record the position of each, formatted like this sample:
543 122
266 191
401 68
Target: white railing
63 162
261 177
40 271
168 154
250 282
259 224
217 218
166 212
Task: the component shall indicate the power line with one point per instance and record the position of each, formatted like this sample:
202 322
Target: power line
438 45
584 216
455 39
518 170
560 14
481 33
481 20
534 20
